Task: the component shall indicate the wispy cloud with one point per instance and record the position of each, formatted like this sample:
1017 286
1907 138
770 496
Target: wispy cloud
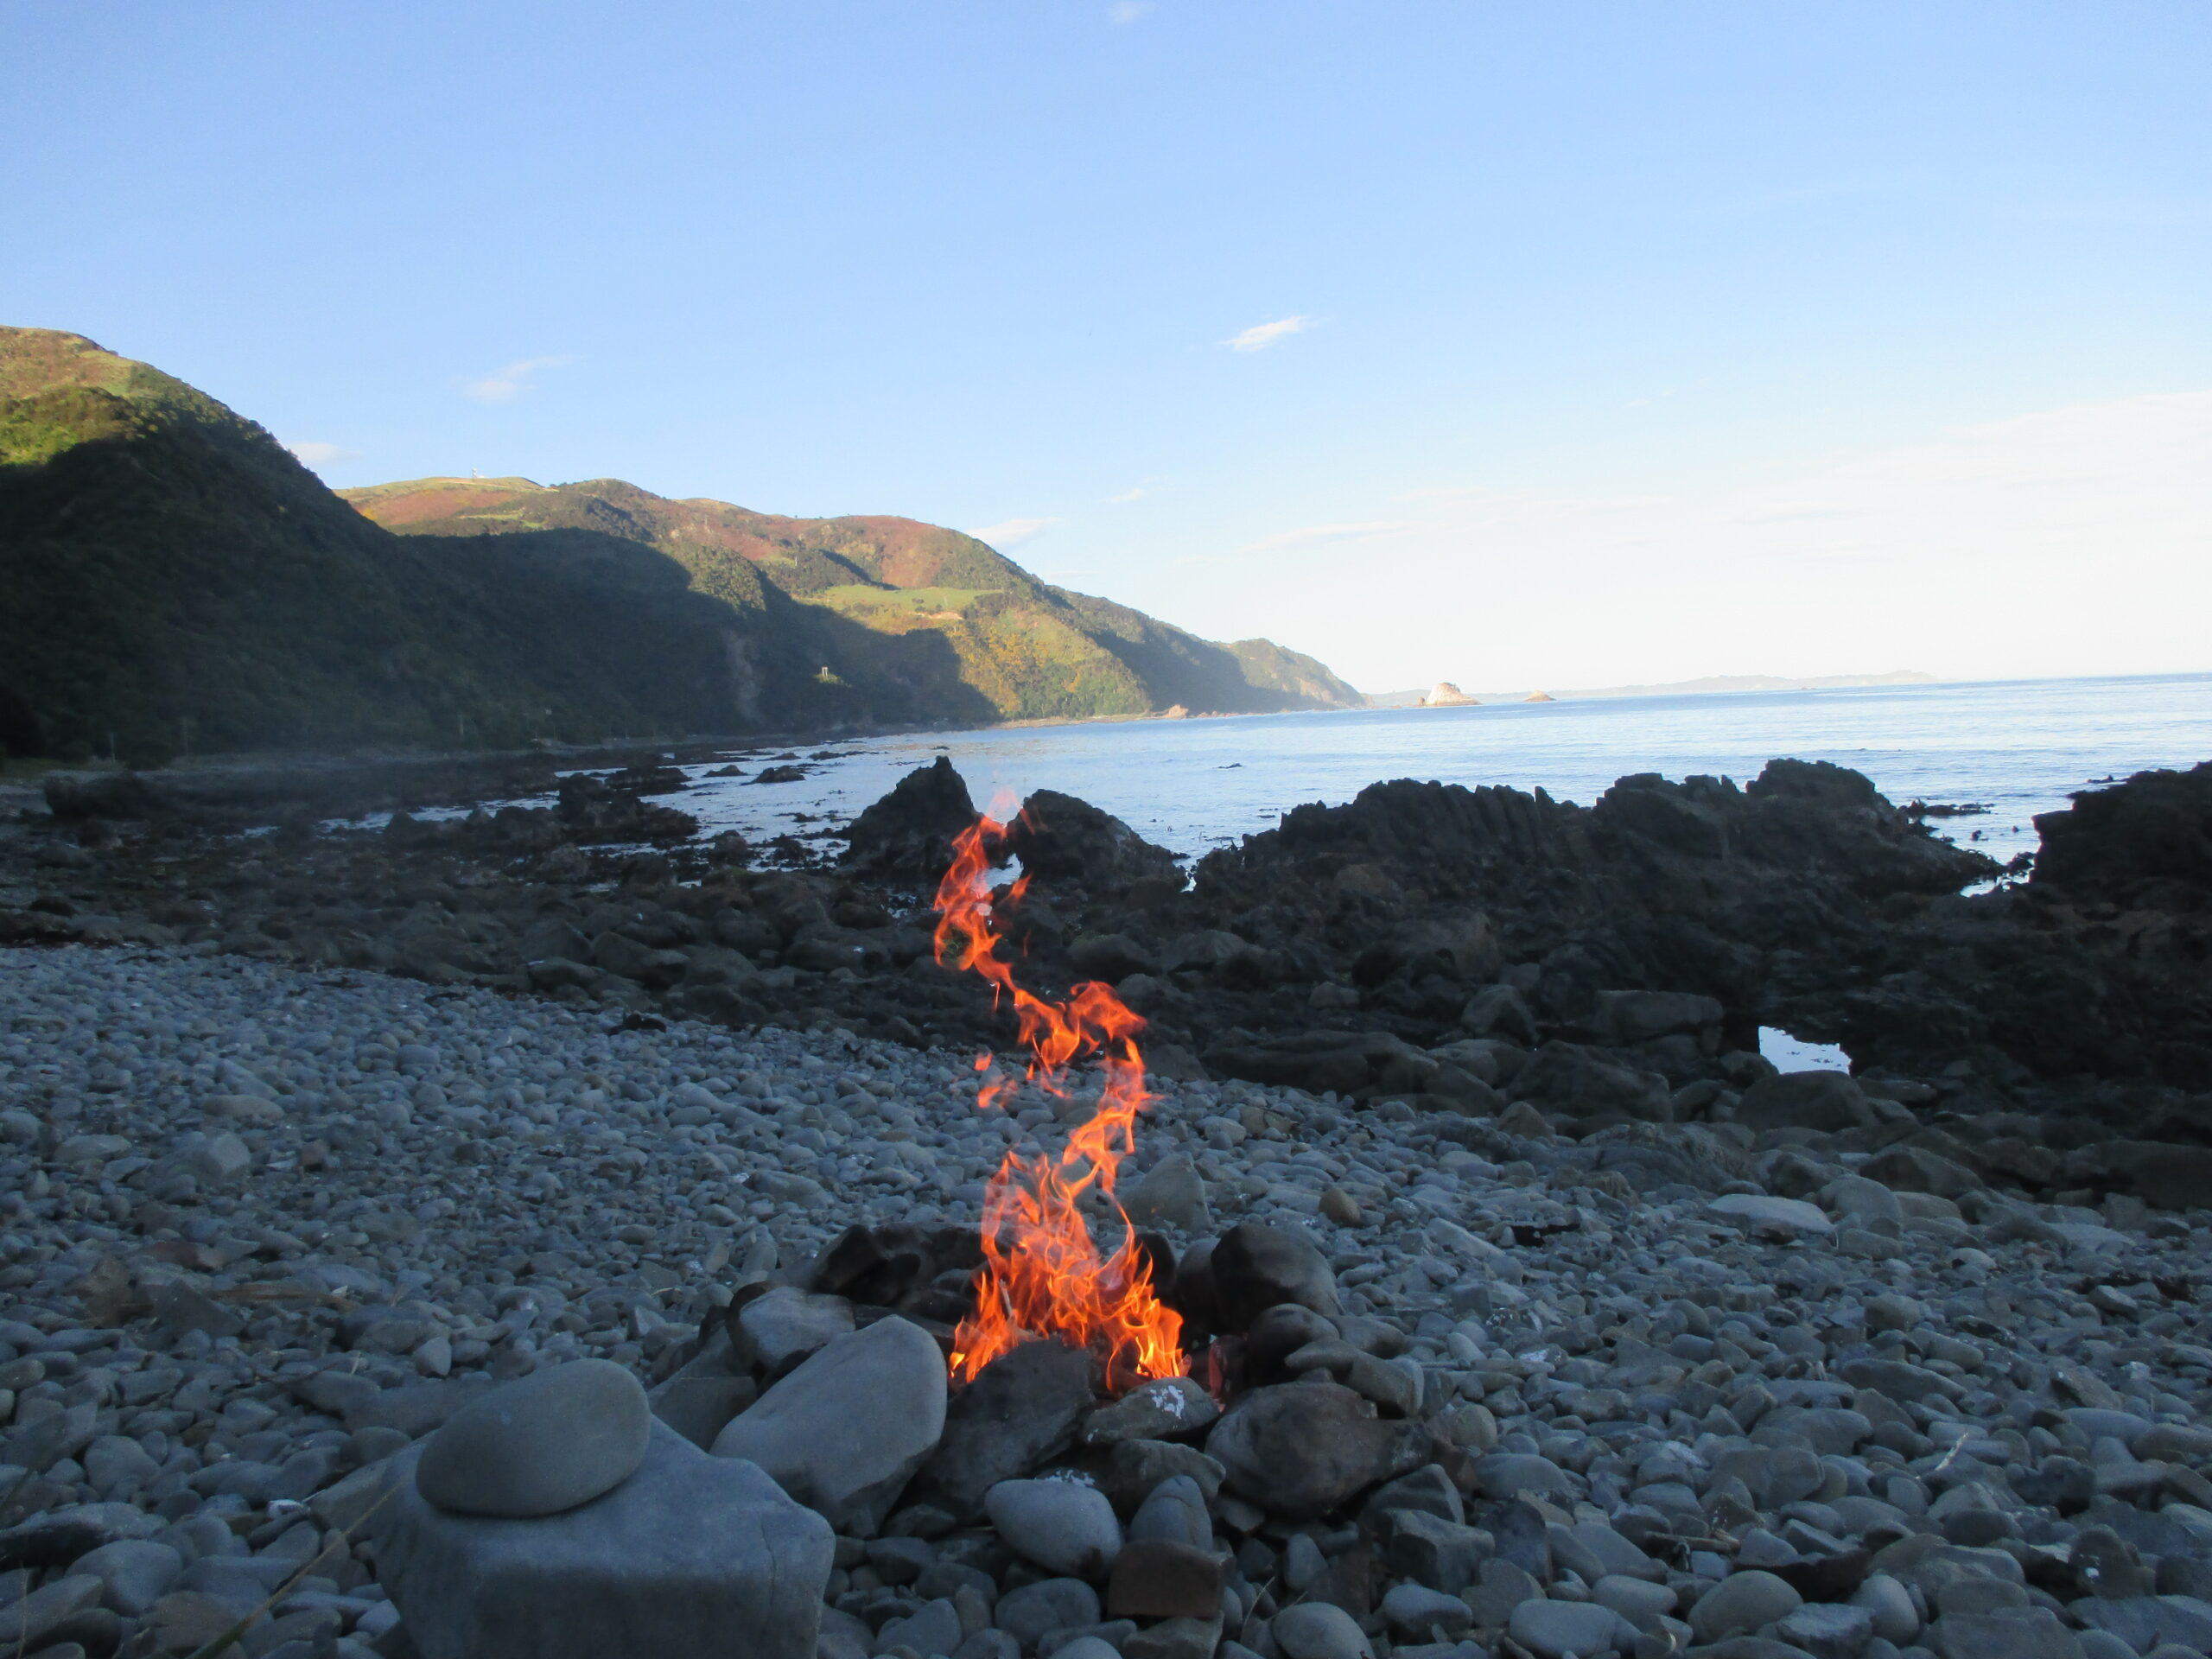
1134 492
501 385
1127 12
1318 535
1012 532
315 453
1260 335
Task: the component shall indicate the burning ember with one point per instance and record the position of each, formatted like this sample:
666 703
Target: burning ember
1042 1275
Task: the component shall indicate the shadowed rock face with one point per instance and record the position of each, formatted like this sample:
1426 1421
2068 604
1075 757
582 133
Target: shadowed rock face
907 835
1059 837
1686 888
2147 840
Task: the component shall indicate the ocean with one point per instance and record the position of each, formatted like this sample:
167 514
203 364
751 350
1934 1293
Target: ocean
2019 747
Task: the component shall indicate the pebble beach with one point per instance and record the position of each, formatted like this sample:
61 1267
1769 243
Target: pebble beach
1675 1386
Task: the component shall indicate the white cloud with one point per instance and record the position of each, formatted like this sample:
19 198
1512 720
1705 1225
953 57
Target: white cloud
501 384
1260 335
314 453
1134 492
1012 532
1320 535
1127 12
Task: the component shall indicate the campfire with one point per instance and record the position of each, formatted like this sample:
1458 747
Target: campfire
1043 1276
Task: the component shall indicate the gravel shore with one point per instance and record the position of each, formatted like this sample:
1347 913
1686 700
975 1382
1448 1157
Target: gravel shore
264 1228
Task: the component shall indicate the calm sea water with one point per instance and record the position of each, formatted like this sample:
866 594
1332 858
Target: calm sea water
2019 746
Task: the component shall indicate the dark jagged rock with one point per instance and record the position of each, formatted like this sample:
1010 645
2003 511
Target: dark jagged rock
1061 839
2150 837
1436 900
1022 1407
907 835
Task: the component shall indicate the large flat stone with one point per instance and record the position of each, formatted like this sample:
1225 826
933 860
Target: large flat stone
844 1432
692 1554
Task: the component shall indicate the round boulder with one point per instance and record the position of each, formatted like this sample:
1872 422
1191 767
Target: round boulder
1256 1267
1064 1526
1301 1449
1315 1630
1825 1101
1741 1603
557 1439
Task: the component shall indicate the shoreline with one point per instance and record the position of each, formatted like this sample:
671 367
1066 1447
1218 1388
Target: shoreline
316 1142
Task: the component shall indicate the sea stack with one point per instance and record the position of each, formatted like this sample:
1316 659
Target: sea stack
1445 695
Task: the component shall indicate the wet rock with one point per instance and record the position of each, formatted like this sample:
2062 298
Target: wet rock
845 1431
539 1445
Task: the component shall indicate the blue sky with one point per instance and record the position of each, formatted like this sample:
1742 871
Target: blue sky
1520 344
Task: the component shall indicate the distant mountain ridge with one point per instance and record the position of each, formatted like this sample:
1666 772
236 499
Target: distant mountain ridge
171 576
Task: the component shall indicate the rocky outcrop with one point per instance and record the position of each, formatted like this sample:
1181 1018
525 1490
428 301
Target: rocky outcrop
908 835
1062 840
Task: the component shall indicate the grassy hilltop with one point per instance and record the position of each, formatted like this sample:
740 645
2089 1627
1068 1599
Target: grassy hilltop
171 575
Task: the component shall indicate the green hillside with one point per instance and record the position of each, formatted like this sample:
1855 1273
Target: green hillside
1026 649
171 577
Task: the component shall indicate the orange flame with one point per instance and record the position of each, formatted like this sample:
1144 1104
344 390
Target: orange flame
1042 1276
